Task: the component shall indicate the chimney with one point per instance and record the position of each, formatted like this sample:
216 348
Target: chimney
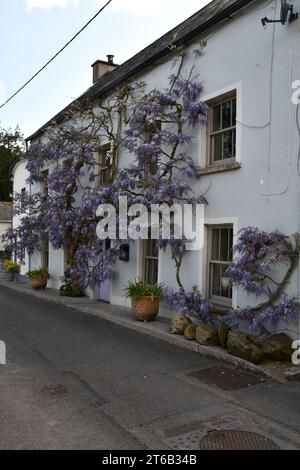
101 67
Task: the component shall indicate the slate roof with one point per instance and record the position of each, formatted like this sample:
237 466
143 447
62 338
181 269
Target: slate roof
212 14
5 211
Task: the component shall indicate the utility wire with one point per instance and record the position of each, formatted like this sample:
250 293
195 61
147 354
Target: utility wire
57 54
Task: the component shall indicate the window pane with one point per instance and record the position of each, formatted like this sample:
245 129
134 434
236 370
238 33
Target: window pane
224 244
217 147
216 279
233 142
227 143
215 244
233 113
230 245
151 271
226 114
217 118
152 248
226 290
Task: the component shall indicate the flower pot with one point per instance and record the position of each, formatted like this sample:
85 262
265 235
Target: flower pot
10 276
146 308
39 283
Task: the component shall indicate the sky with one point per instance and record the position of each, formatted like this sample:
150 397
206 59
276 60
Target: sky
31 32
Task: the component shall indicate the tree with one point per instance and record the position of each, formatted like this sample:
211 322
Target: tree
11 147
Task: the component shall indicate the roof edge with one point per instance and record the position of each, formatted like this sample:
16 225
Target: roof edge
219 17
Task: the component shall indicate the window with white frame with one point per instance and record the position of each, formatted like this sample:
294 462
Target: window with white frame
222 129
220 243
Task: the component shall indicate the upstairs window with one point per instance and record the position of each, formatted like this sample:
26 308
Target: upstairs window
23 198
222 130
151 131
103 169
44 182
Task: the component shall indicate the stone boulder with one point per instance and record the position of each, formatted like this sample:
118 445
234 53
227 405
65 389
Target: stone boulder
223 332
179 324
207 335
244 346
278 347
190 332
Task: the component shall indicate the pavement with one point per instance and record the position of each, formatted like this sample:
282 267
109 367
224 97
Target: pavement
75 381
160 329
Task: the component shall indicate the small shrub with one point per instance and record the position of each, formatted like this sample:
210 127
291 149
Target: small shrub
38 273
137 290
11 266
69 290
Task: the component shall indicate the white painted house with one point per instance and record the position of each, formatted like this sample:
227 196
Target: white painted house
5 224
5 220
246 68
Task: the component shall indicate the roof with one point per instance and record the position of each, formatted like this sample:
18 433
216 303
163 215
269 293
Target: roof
5 211
212 14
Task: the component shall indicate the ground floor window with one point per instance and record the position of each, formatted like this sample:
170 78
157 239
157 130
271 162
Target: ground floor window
220 242
45 252
150 262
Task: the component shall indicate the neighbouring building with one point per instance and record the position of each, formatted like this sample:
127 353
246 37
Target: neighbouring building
5 220
247 71
5 223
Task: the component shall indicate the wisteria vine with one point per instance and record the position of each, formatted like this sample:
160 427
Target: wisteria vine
257 254
152 127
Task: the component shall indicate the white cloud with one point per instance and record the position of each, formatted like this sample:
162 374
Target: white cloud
47 4
2 91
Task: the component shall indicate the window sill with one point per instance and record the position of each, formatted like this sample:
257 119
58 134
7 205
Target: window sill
219 168
220 309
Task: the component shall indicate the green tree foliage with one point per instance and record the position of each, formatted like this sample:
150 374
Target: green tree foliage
11 147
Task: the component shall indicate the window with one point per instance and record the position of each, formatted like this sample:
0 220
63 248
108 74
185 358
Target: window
44 182
220 256
151 131
104 166
45 252
222 130
23 196
150 262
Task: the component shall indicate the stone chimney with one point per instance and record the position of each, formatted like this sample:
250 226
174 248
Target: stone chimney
101 67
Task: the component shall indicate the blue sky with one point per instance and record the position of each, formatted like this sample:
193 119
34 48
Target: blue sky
31 31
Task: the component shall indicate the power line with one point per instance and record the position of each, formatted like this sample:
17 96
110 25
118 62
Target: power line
54 57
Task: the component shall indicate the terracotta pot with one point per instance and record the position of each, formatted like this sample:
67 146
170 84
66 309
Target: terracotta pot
39 283
146 308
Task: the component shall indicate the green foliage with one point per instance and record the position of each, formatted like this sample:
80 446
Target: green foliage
137 290
11 147
11 266
69 290
38 273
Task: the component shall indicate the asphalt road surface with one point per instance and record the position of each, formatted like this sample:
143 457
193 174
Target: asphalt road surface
73 381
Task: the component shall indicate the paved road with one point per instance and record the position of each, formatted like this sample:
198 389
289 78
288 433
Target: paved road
73 381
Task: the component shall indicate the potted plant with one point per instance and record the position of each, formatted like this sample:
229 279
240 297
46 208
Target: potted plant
145 299
11 268
39 278
69 289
